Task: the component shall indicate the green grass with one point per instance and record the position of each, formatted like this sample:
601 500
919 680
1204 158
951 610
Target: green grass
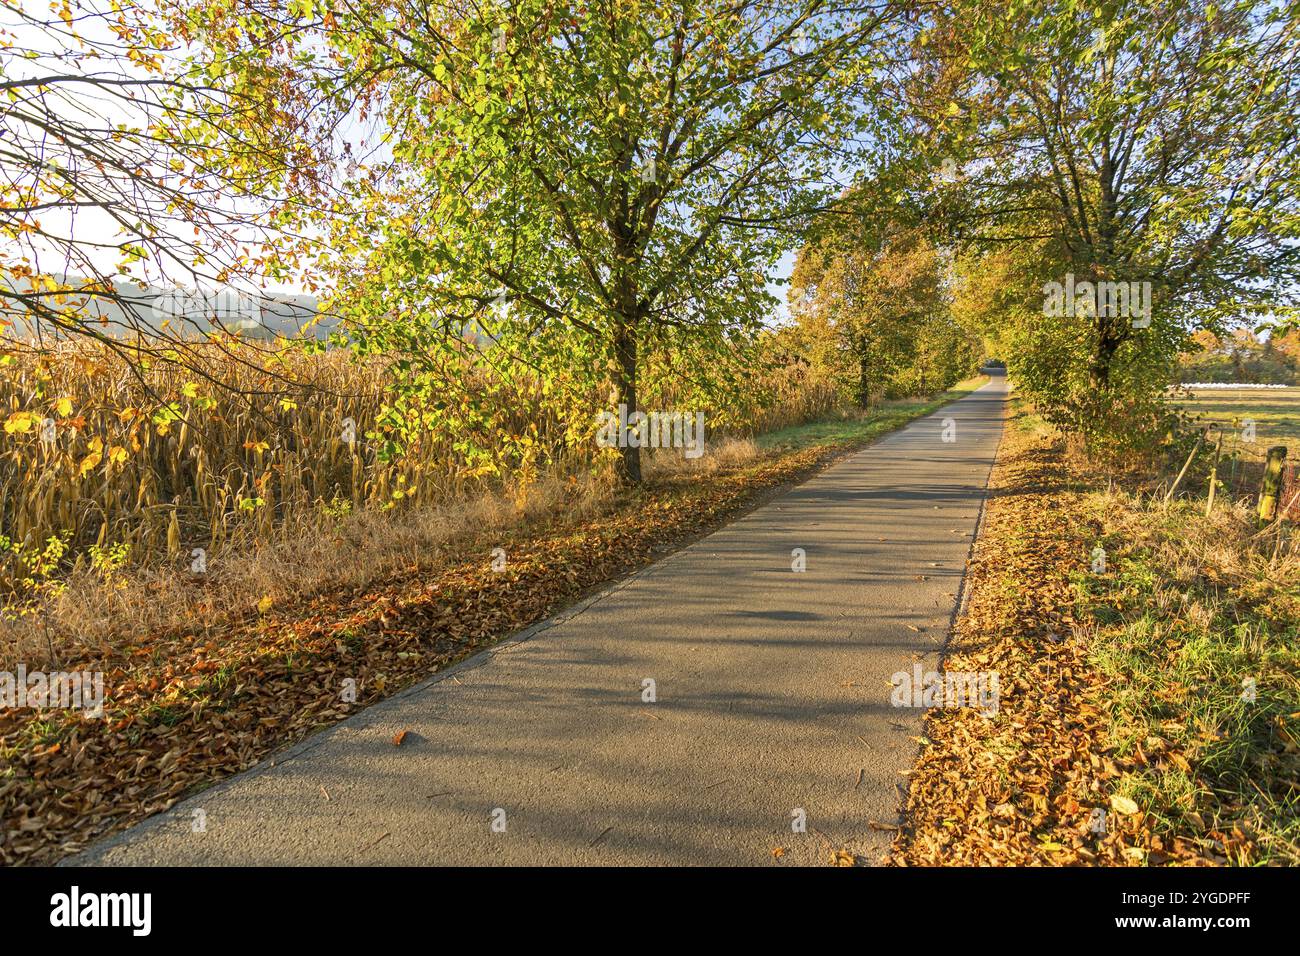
1275 412
1192 613
865 426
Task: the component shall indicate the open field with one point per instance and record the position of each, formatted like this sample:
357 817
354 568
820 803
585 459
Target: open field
1274 411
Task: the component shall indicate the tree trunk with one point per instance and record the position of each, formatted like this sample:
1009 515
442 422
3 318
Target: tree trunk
1108 342
864 380
629 462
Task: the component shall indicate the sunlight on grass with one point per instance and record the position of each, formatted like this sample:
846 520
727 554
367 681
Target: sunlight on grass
1197 648
868 424
1275 412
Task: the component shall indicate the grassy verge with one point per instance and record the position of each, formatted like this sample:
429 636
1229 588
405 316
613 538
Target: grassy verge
1149 710
865 426
189 705
1196 641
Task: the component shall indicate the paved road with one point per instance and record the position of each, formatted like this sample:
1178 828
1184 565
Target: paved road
772 696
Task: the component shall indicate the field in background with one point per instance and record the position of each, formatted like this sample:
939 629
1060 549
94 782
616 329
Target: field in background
1274 411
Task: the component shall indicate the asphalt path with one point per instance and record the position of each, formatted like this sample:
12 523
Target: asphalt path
719 707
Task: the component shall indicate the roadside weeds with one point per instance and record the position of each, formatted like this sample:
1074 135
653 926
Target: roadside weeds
1149 711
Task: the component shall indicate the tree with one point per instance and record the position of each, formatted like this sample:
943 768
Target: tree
876 306
1131 141
1238 357
582 182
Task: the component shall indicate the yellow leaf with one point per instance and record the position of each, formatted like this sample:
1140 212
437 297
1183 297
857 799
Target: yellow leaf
117 454
19 422
89 462
1123 805
64 407
265 605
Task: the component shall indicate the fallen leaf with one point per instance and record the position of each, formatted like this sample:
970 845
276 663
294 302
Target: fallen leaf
1123 805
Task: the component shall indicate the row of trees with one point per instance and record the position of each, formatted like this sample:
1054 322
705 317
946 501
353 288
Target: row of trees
1242 356
594 192
874 311
1131 141
1141 143
584 189
1138 146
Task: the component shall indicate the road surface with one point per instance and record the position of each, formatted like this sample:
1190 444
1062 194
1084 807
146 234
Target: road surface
770 728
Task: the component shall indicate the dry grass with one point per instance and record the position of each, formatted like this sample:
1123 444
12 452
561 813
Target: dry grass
100 611
721 455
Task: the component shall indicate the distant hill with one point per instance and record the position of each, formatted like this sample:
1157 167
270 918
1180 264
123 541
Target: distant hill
136 306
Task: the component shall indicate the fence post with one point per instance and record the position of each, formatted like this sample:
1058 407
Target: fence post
1272 486
1187 464
1214 475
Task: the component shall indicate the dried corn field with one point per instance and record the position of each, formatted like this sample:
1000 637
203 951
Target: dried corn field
156 462
130 489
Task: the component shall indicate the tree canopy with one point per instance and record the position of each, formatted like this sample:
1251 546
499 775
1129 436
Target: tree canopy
583 184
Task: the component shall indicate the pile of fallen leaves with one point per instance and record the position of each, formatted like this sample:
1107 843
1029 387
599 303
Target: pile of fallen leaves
184 711
1038 782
